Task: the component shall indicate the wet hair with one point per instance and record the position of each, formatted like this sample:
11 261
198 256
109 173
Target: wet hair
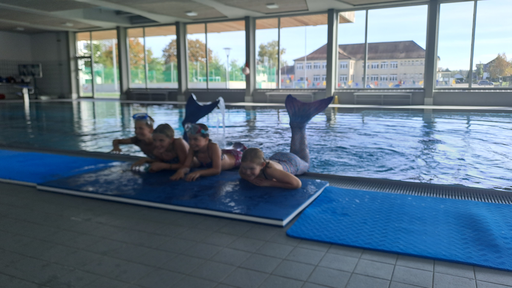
253 155
164 129
197 129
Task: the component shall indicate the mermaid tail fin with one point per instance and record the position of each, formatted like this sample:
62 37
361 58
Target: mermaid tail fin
301 112
195 111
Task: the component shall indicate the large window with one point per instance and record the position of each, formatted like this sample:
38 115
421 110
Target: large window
351 29
136 58
389 42
98 64
300 57
215 59
454 47
152 57
161 57
492 68
492 59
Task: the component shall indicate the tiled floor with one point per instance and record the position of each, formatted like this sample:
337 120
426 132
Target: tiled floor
54 240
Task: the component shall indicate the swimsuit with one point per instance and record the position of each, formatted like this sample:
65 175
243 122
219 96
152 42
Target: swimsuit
291 163
235 152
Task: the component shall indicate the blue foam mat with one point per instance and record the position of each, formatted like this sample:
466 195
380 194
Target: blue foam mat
461 231
35 168
224 195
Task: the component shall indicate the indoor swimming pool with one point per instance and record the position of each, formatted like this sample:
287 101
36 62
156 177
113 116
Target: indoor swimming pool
441 147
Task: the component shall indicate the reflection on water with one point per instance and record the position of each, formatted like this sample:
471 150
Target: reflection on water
466 148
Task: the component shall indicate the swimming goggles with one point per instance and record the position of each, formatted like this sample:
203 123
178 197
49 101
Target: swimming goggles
194 129
143 116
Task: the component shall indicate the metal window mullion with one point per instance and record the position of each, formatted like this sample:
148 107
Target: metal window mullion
279 52
145 57
365 50
472 46
206 57
92 66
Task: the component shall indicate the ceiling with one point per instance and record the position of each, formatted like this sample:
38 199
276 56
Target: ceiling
34 16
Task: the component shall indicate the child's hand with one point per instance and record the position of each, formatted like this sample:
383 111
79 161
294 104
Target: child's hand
178 175
157 166
116 150
192 176
139 162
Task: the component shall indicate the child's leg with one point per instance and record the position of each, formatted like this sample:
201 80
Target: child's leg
300 114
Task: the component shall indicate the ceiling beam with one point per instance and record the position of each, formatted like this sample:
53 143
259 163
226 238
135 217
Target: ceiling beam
41 27
229 11
95 16
155 17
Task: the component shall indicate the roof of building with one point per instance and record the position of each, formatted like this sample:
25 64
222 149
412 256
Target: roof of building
288 70
376 51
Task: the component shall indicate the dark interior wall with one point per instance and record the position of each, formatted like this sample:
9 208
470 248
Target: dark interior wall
50 49
15 48
473 98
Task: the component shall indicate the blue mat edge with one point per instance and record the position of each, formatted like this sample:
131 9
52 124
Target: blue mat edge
289 234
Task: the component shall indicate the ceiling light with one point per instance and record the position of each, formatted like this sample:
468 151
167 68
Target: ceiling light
69 24
191 13
20 28
272 6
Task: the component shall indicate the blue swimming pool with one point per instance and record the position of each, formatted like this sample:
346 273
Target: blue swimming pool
444 147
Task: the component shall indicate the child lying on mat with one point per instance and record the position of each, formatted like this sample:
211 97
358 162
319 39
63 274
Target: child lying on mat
143 138
203 153
280 168
169 153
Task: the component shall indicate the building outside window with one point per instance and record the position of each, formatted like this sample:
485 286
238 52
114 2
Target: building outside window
393 77
324 65
383 77
308 66
374 78
316 78
343 65
384 65
375 65
316 65
343 78
324 78
393 65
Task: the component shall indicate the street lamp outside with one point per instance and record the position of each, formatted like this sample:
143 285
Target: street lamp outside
227 49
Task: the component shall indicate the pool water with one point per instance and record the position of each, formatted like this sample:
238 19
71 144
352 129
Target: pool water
443 147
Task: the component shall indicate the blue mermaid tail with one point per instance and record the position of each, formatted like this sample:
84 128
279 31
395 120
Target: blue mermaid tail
300 113
195 111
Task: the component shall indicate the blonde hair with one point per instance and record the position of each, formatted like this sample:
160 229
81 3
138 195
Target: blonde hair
253 155
164 129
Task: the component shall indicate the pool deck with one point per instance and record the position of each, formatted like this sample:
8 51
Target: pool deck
56 240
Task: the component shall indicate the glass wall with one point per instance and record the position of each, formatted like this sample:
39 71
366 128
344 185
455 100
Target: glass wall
291 52
219 48
493 42
161 56
267 42
197 55
97 62
106 64
454 44
395 49
351 32
396 52
136 58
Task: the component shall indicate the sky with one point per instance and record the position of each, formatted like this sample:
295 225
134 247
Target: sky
493 33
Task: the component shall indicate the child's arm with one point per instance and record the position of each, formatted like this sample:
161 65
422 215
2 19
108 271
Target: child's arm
142 161
281 178
181 150
216 155
116 142
186 166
